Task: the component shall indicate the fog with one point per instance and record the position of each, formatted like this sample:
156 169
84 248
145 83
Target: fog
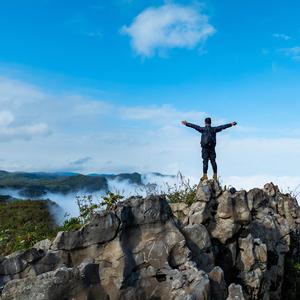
67 203
152 183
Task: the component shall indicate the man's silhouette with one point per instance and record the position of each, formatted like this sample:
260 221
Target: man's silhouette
208 144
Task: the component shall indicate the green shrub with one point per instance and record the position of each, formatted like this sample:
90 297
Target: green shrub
182 191
296 266
110 200
71 224
88 207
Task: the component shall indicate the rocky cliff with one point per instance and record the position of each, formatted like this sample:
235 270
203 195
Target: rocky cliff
227 245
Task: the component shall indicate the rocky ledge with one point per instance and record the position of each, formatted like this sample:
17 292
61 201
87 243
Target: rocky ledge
227 245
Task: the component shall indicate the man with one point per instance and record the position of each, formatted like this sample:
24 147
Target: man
208 144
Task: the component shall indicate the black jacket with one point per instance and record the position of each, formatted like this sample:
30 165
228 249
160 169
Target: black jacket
208 131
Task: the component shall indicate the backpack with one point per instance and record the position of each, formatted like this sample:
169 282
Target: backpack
208 138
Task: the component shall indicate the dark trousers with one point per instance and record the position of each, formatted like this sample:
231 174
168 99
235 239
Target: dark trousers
209 154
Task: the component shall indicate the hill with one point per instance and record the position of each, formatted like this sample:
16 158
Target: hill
24 222
36 185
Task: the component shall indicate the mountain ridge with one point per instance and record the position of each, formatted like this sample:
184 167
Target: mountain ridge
38 184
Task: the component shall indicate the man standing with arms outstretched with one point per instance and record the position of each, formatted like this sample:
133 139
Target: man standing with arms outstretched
208 144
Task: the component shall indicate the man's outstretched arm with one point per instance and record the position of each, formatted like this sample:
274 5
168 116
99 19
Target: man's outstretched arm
222 127
196 127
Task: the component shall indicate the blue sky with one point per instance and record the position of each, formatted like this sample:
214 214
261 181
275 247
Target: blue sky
105 83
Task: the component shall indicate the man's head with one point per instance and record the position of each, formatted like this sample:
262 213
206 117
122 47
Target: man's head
207 121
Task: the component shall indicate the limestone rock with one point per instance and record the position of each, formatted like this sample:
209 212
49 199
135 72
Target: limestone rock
232 212
198 235
150 249
43 245
180 211
251 262
199 213
270 189
208 189
217 284
198 241
101 229
235 292
224 229
62 283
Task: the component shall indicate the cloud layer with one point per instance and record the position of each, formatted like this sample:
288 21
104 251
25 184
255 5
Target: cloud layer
168 26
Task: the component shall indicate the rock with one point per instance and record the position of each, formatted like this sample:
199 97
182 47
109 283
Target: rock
225 207
235 292
246 256
101 229
18 261
199 213
232 212
208 189
204 191
148 249
232 247
43 245
224 229
287 208
50 261
198 235
178 255
260 252
217 284
241 209
256 198
251 262
62 283
198 241
180 211
270 189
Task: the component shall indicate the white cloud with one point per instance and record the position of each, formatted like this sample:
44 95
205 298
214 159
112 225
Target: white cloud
168 26
39 129
16 97
293 52
281 36
166 114
6 117
9 132
87 107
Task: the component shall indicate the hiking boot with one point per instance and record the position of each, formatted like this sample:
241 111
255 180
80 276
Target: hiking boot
204 177
215 177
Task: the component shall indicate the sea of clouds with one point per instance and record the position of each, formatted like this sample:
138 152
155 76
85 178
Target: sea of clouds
157 184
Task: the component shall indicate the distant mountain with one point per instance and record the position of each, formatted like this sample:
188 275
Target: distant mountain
38 184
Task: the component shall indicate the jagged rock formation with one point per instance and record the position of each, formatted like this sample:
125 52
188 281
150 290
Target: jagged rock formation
226 245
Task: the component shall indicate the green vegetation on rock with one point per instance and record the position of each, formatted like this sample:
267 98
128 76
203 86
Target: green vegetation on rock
182 192
23 223
26 222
